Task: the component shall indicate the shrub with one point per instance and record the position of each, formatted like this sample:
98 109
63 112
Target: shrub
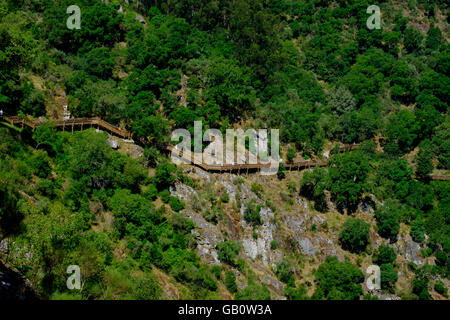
338 280
388 276
284 272
176 204
228 251
253 292
251 213
290 155
165 196
225 198
354 236
384 255
388 220
440 288
418 230
230 281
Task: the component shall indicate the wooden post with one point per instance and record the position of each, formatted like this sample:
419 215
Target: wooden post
72 127
64 125
81 125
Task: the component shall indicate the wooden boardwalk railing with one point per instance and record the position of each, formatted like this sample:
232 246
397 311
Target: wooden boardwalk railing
72 124
299 165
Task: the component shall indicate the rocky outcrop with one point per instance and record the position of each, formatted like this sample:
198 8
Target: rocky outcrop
409 249
306 246
260 247
182 191
208 235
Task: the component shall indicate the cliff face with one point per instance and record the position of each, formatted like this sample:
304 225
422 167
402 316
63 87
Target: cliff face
290 229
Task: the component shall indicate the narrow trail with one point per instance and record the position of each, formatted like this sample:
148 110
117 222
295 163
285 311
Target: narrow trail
85 123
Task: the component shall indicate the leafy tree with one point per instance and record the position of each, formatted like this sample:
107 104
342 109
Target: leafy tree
338 280
388 276
388 219
313 185
412 39
341 101
10 216
166 174
420 284
348 174
354 235
385 255
418 230
424 161
402 131
89 159
434 38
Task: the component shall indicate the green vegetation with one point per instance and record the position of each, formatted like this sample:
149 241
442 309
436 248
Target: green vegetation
354 236
230 281
338 280
310 68
228 251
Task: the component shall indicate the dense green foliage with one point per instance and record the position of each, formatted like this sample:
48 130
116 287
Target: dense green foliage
338 280
354 235
310 68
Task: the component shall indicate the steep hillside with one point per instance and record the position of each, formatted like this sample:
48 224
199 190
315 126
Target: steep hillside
140 227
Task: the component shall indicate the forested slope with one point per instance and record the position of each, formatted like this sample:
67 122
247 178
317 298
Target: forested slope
141 228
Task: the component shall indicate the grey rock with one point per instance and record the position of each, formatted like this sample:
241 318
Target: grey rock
203 174
182 191
4 246
306 246
412 253
207 238
295 223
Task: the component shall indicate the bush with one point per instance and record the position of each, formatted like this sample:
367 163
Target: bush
388 220
384 255
388 276
290 155
299 293
253 292
230 281
165 196
228 251
251 213
418 230
338 280
225 198
441 258
284 272
176 204
440 288
354 236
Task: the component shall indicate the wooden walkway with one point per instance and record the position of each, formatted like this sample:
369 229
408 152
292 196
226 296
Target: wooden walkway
84 123
71 125
248 167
